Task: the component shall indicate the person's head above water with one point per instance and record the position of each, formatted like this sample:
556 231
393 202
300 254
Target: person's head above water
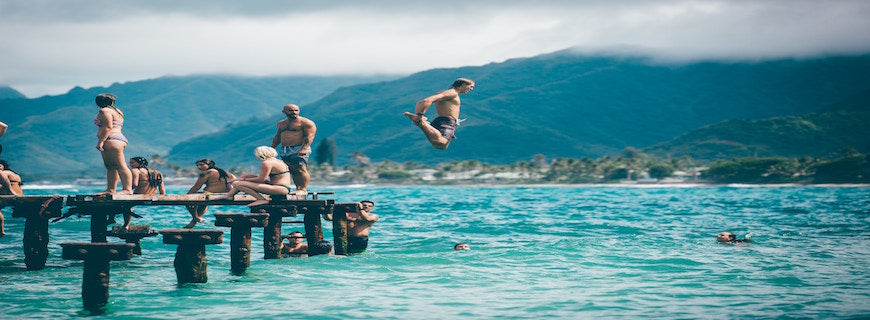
461 246
725 236
728 237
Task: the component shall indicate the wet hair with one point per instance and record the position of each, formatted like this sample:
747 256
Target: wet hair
211 165
369 201
6 166
107 100
153 177
461 82
458 244
319 247
265 152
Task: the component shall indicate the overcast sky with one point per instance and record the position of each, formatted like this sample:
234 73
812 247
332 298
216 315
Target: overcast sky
48 47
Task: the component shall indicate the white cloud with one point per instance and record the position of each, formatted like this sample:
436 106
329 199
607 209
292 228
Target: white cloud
47 47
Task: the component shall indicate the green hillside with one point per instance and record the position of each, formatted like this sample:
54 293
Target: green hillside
55 134
558 105
10 93
824 133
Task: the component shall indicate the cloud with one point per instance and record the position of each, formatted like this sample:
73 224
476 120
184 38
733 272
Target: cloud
49 47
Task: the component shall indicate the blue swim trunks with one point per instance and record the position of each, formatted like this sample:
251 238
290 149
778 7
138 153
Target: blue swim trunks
290 155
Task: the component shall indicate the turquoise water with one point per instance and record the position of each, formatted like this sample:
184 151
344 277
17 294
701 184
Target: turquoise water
564 252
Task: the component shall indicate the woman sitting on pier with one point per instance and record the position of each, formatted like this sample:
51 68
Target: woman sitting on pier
10 178
10 184
216 180
111 143
274 178
146 180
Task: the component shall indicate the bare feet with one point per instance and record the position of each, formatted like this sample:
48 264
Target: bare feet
258 203
417 120
105 192
302 193
125 192
190 225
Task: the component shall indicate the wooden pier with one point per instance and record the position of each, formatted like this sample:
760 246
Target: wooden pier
190 260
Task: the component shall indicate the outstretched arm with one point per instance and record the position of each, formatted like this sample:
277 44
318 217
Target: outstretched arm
198 184
3 128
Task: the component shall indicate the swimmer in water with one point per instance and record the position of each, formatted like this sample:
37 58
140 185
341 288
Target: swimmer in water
726 237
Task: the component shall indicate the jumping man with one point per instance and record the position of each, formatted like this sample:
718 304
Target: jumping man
440 131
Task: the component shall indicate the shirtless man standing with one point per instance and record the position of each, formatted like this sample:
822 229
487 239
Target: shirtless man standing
440 131
295 134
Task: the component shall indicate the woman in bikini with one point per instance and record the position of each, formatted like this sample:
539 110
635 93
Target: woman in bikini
145 179
111 143
10 184
274 178
215 180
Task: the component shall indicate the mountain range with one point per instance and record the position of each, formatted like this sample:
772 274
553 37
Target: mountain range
561 104
54 135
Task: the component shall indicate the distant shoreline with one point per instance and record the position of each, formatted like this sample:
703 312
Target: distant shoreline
67 185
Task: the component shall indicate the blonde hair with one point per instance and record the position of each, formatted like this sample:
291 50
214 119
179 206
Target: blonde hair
264 152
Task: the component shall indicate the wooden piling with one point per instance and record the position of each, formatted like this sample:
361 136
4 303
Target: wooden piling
134 235
96 256
190 261
339 226
240 236
36 237
313 229
272 230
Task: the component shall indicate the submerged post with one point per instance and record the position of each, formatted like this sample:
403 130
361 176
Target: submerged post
133 235
272 229
339 226
36 211
313 228
240 236
96 256
190 262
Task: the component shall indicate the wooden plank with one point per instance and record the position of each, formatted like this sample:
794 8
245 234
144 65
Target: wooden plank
22 200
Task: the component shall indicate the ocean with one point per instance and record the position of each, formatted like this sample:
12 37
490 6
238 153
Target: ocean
561 252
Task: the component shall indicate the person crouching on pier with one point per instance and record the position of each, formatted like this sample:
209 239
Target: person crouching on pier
274 178
215 180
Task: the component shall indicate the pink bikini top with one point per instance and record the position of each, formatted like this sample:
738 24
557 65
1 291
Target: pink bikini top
117 123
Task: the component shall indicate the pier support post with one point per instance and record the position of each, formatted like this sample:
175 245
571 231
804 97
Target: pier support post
272 230
133 235
190 262
36 229
339 226
96 256
313 228
240 236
